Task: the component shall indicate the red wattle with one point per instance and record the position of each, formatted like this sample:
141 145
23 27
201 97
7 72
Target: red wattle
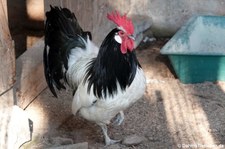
127 44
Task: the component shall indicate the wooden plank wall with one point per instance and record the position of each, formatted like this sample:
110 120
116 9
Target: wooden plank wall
7 57
91 14
7 73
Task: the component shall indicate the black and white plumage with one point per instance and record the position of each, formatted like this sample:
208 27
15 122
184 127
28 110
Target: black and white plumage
106 81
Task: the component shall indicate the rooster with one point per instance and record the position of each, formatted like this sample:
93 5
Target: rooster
106 80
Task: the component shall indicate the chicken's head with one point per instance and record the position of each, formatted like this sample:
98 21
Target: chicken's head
126 30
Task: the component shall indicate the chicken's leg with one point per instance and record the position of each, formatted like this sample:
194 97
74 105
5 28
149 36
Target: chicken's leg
119 118
108 141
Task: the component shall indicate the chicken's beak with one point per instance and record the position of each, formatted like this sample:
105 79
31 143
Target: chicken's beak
131 37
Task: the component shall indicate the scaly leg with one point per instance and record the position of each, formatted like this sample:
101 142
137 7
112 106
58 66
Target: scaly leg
119 118
108 141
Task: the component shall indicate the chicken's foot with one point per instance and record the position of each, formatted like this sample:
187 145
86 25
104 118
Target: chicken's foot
108 141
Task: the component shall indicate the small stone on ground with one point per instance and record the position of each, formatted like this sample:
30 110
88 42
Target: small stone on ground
133 140
60 141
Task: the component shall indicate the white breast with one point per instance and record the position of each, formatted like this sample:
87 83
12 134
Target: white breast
105 109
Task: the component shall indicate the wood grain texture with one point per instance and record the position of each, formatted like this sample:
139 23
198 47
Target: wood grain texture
91 15
30 75
7 57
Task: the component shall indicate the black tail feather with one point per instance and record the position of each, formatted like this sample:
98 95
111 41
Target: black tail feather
62 33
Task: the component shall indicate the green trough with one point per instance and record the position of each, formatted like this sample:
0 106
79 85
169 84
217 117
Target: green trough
197 50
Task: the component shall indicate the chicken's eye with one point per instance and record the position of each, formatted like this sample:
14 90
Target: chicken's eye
121 33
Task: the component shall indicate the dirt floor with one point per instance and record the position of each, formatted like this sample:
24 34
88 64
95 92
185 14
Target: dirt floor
170 115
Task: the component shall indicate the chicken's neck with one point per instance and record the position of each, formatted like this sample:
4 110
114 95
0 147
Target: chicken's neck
111 68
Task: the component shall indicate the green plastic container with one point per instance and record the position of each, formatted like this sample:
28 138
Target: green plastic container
198 68
197 50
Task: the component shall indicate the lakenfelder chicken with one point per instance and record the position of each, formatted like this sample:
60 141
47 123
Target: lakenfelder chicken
106 80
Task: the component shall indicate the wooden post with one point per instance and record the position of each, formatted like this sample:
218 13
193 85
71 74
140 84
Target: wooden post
7 56
7 74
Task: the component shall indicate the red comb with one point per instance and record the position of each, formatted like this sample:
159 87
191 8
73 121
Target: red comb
121 21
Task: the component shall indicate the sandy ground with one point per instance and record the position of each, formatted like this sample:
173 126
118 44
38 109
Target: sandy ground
170 115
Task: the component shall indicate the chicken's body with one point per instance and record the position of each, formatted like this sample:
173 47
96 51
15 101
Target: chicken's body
106 81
